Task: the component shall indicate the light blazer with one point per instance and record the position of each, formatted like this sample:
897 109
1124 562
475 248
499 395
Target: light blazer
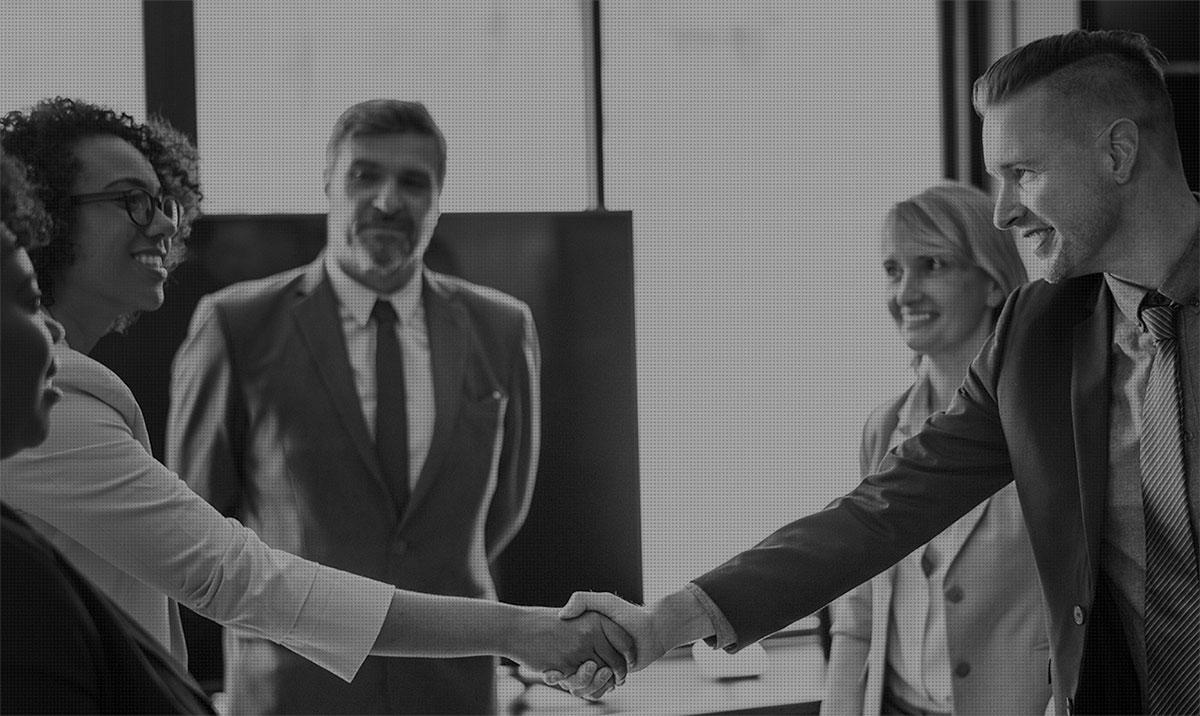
266 424
996 625
1034 406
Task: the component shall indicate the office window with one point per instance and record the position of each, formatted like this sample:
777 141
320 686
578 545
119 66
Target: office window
86 49
505 80
758 145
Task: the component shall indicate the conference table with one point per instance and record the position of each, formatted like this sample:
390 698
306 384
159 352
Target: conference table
790 681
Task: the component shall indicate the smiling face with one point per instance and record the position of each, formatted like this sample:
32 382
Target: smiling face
941 302
383 207
118 267
1052 190
28 366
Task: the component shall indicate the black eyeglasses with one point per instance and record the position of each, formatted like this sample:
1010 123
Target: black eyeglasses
139 204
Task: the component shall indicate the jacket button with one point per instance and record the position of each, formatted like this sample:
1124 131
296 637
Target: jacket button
962 669
1078 615
399 547
954 594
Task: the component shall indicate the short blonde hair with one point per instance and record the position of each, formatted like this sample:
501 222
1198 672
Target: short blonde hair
959 216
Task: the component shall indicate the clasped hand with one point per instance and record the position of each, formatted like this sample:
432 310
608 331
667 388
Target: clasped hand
636 638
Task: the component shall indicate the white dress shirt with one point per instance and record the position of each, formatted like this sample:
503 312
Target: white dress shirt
355 302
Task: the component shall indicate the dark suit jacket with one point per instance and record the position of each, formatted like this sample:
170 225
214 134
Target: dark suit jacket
1034 406
65 648
266 424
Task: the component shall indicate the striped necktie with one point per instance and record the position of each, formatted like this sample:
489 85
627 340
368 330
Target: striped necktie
1172 581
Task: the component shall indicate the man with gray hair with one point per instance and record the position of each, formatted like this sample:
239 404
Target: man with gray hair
367 413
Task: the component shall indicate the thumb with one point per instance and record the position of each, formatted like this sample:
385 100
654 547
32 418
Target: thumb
576 605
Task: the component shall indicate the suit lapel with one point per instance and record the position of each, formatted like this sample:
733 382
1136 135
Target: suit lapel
449 346
1091 341
973 520
317 318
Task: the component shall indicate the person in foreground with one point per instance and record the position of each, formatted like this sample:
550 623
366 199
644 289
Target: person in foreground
419 391
121 196
1083 394
957 626
67 648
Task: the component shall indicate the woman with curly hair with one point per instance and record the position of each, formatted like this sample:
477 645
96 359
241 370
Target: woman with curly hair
121 195
46 140
67 648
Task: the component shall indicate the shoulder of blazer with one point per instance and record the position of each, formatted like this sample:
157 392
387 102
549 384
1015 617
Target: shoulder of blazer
255 302
1048 308
482 302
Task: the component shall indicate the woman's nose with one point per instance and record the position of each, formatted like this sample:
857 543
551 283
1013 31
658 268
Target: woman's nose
907 289
162 228
54 328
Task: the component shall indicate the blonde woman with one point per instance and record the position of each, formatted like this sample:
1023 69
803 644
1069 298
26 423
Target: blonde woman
959 625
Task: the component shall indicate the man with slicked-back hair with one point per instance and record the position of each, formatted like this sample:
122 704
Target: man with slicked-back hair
1079 137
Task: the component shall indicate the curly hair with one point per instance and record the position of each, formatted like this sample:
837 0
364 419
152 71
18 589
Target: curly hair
21 215
44 140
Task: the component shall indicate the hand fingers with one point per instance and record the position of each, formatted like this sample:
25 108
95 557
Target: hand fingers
603 649
623 642
575 606
596 696
608 604
552 677
582 677
601 684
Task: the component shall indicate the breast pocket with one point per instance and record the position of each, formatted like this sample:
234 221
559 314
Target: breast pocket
481 420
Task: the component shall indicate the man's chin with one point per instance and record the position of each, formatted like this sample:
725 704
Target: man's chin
1058 269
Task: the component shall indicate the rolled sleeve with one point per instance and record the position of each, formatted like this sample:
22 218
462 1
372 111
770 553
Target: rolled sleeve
343 611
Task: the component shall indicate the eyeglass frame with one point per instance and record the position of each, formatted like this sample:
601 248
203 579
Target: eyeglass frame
157 203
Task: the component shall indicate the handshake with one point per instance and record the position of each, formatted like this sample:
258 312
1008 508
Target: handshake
590 645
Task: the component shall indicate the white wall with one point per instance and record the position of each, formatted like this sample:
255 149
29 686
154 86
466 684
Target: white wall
90 49
758 145
504 80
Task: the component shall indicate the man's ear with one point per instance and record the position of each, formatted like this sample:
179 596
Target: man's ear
1121 140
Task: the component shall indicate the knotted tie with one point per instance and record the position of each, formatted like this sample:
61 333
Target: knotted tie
1172 581
391 415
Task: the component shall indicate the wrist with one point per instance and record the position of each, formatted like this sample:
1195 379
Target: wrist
514 628
679 619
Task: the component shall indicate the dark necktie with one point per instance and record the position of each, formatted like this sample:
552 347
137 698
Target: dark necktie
1172 581
391 416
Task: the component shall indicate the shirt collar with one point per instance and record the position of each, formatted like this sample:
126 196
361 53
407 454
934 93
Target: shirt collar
358 299
917 406
1181 286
